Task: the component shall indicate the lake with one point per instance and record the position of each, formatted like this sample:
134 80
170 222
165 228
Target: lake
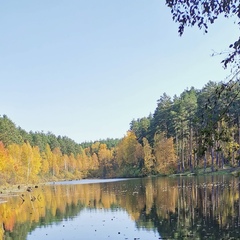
205 207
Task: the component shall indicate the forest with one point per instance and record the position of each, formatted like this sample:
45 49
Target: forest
196 130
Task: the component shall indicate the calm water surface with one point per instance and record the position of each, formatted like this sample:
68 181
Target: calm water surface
204 207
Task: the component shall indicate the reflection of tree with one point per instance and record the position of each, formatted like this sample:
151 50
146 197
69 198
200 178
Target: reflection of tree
202 210
177 208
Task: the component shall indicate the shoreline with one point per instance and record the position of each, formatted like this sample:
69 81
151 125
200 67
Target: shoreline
235 171
17 190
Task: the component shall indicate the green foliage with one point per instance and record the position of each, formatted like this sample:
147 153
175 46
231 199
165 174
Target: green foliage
161 121
9 133
199 128
110 142
141 127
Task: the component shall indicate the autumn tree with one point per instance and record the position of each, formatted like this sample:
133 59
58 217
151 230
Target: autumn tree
15 152
95 161
164 154
64 165
129 155
72 164
57 160
83 162
105 160
51 160
148 157
44 165
6 165
31 160
36 162
95 147
3 157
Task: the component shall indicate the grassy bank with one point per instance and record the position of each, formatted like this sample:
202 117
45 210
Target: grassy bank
235 171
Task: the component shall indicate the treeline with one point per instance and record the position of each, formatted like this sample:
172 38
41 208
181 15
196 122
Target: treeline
204 125
38 156
32 157
10 133
199 128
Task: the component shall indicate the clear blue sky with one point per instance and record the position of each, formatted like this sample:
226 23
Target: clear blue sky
85 69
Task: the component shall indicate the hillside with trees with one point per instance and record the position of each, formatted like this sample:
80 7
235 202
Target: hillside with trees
197 129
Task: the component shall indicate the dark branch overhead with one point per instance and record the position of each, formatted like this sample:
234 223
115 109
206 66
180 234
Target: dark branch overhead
189 13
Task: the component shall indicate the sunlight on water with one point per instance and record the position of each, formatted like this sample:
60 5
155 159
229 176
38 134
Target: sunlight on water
89 181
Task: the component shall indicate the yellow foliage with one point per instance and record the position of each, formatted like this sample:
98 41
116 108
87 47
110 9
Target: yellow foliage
164 154
148 157
3 157
129 151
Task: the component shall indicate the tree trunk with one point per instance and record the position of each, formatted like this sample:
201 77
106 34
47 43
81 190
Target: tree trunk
28 169
233 157
212 157
182 157
178 156
190 156
205 161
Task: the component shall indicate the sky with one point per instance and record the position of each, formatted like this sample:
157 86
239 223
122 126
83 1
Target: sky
86 69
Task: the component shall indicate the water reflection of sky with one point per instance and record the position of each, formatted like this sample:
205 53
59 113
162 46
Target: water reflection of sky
95 224
89 181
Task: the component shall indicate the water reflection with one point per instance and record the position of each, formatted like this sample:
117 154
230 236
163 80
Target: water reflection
173 208
96 224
